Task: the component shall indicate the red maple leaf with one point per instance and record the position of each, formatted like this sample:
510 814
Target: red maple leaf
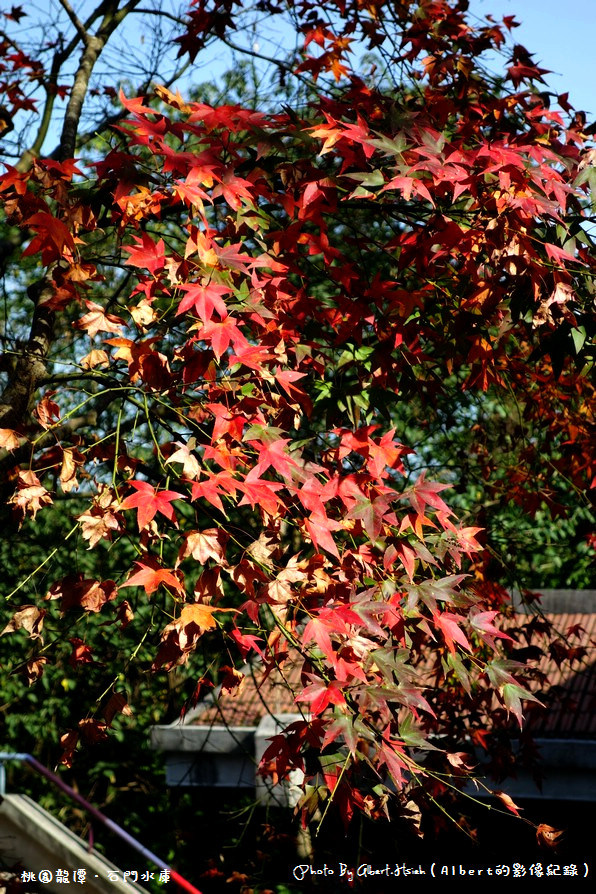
426 493
259 491
318 630
321 694
147 254
274 454
220 335
54 240
319 528
204 298
448 624
16 13
483 623
148 501
81 653
210 490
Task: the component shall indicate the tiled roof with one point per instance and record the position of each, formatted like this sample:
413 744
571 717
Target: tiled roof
569 696
257 696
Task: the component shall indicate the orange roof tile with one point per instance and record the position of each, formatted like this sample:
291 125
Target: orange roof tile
257 696
569 695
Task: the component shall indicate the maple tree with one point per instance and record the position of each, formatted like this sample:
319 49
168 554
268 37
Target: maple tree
228 315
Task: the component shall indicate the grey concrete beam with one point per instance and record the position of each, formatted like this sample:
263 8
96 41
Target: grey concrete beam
559 602
209 739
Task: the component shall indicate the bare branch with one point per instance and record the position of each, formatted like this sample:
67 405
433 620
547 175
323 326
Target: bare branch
81 30
33 151
109 120
162 13
60 57
284 66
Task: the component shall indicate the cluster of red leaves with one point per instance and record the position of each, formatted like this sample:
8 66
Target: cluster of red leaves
275 289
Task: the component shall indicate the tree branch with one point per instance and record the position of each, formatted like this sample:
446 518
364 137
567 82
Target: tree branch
30 367
58 60
79 90
94 46
109 120
80 28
